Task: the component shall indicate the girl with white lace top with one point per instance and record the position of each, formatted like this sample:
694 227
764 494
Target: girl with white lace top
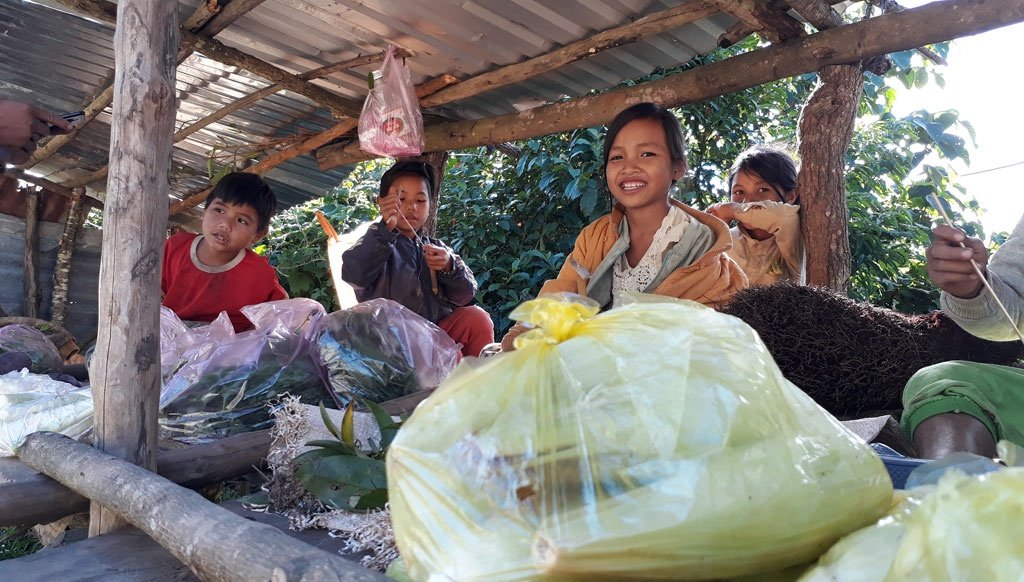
649 242
767 243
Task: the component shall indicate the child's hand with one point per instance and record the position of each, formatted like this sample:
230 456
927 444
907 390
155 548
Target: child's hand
949 264
389 209
726 211
438 258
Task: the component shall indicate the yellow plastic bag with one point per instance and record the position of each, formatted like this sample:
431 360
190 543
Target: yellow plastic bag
964 529
656 440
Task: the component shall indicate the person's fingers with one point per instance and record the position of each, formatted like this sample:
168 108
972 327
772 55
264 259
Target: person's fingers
947 234
19 156
48 118
39 129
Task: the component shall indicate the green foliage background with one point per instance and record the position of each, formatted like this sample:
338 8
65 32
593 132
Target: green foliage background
514 218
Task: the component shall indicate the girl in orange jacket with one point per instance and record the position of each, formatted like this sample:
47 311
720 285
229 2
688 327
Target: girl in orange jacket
649 243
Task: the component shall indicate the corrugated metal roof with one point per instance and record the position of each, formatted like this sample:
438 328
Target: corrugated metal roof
82 285
61 61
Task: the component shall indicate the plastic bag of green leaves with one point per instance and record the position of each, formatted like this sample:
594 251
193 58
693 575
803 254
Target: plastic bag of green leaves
966 528
379 350
656 440
227 386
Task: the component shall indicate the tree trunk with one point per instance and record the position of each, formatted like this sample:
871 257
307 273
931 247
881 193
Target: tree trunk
126 368
30 281
215 543
826 126
65 253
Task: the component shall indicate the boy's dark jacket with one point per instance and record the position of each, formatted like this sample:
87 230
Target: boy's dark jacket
391 265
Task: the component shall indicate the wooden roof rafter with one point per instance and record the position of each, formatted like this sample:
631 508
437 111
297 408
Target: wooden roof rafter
772 24
205 20
849 43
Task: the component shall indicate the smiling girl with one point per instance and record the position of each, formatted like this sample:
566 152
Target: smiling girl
649 243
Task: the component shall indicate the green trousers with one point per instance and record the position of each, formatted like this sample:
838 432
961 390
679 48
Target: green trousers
992 394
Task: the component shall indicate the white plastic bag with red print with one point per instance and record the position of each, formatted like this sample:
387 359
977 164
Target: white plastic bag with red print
391 123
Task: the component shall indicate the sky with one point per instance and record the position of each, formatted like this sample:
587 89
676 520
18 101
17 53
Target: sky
981 85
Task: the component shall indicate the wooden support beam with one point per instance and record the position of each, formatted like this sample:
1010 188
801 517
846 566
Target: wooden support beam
772 24
213 542
647 26
30 278
224 54
306 146
217 23
28 497
51 186
65 251
125 369
220 52
361 60
849 43
818 12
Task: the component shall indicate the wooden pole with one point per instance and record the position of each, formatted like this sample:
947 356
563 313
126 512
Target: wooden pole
30 280
28 497
825 129
215 543
845 44
65 252
126 367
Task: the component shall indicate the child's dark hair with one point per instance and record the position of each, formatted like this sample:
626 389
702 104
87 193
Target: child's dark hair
653 111
421 169
249 189
774 165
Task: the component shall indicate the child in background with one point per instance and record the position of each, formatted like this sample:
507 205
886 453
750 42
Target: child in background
766 243
204 274
393 261
649 243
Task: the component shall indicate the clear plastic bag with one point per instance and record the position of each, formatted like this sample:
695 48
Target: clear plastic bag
177 339
656 440
964 529
26 339
379 350
226 386
391 123
31 402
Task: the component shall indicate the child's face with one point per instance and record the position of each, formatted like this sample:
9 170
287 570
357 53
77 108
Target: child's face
640 169
413 202
749 187
229 228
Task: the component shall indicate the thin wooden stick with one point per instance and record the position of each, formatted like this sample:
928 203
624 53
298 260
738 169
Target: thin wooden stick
937 204
326 225
419 241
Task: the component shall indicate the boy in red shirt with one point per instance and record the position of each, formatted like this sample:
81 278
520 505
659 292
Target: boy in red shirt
204 274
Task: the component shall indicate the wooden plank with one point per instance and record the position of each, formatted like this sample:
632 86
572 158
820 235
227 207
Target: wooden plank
845 44
214 543
27 497
125 369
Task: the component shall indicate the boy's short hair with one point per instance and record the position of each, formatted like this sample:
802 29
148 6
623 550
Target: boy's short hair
249 189
421 169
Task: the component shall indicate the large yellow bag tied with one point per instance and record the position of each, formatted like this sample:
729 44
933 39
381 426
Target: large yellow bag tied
656 440
965 529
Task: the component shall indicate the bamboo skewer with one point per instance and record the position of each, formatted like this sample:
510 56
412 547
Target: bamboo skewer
937 204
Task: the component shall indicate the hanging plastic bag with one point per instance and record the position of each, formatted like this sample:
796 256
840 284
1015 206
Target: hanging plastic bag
226 387
31 402
28 340
379 350
655 440
391 123
964 529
